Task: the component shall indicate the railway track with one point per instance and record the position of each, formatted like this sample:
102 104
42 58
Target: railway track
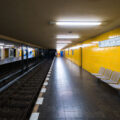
17 101
8 80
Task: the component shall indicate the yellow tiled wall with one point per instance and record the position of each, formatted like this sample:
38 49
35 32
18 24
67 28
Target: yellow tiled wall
95 57
75 57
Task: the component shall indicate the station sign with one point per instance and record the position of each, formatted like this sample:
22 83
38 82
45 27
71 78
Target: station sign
110 42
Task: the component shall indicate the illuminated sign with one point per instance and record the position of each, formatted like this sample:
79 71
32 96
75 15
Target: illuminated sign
110 42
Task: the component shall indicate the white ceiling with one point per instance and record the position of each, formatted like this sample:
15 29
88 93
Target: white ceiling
28 20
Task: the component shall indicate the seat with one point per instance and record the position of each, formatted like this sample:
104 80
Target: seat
100 73
115 77
106 76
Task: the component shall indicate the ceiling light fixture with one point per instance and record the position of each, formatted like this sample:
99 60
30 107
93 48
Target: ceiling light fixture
64 42
68 36
77 23
60 46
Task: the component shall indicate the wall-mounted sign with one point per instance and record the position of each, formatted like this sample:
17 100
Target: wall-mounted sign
110 42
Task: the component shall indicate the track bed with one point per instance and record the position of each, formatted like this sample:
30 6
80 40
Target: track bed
17 101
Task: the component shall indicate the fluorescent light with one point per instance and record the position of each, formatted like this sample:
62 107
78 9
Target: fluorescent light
64 42
1 44
60 46
68 36
77 23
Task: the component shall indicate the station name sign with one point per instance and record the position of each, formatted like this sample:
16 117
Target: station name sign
110 42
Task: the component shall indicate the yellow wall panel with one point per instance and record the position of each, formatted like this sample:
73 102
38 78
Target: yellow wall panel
94 57
75 57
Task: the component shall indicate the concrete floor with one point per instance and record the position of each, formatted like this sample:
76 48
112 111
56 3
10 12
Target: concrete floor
74 94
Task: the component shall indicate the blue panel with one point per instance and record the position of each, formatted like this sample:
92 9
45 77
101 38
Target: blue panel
61 53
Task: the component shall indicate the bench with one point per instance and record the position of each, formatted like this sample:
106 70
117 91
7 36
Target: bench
112 78
100 73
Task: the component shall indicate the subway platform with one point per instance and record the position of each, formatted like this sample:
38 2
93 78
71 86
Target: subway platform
71 93
9 60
